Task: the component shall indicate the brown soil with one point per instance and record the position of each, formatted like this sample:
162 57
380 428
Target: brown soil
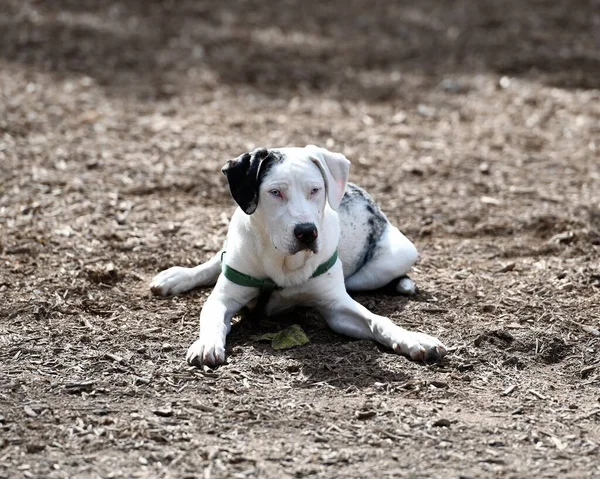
475 124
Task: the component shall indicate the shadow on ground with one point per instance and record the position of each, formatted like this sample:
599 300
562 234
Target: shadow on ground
330 357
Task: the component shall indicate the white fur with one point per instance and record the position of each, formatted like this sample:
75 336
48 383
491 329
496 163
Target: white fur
263 245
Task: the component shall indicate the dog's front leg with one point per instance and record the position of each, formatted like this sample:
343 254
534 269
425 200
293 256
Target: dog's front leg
215 322
346 316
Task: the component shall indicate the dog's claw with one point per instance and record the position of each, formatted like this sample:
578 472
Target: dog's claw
194 361
421 348
432 356
201 354
171 281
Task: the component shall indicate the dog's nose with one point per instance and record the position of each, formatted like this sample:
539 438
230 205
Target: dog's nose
306 233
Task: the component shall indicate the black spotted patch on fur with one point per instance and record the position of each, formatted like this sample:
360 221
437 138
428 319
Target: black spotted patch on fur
377 221
353 193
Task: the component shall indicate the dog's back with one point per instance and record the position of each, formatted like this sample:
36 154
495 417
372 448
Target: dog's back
362 225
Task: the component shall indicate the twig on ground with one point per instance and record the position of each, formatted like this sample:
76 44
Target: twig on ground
508 391
536 394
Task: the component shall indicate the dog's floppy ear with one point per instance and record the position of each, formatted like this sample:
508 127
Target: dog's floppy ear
334 168
244 175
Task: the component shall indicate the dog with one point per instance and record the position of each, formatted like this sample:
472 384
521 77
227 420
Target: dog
307 236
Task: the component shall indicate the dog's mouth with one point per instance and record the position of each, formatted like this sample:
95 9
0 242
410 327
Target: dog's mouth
290 247
299 247
303 249
313 248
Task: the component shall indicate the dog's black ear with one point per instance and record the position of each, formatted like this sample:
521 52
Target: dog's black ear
244 175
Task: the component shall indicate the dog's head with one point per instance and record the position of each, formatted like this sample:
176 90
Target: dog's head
287 191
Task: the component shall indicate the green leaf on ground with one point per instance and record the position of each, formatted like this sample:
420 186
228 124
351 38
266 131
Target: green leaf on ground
264 337
289 338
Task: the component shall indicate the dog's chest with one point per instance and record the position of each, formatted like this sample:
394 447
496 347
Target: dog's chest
294 270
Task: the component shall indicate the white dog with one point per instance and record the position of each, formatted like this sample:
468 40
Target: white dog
304 233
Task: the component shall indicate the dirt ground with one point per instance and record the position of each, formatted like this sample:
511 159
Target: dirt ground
475 124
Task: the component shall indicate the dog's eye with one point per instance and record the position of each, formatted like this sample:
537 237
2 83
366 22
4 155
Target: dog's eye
314 191
275 193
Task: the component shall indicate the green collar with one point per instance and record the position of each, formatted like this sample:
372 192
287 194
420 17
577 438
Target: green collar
268 284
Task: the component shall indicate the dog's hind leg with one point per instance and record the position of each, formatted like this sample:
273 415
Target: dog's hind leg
178 279
394 257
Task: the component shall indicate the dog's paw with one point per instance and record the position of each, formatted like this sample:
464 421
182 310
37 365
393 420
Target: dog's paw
406 286
209 353
171 281
420 347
